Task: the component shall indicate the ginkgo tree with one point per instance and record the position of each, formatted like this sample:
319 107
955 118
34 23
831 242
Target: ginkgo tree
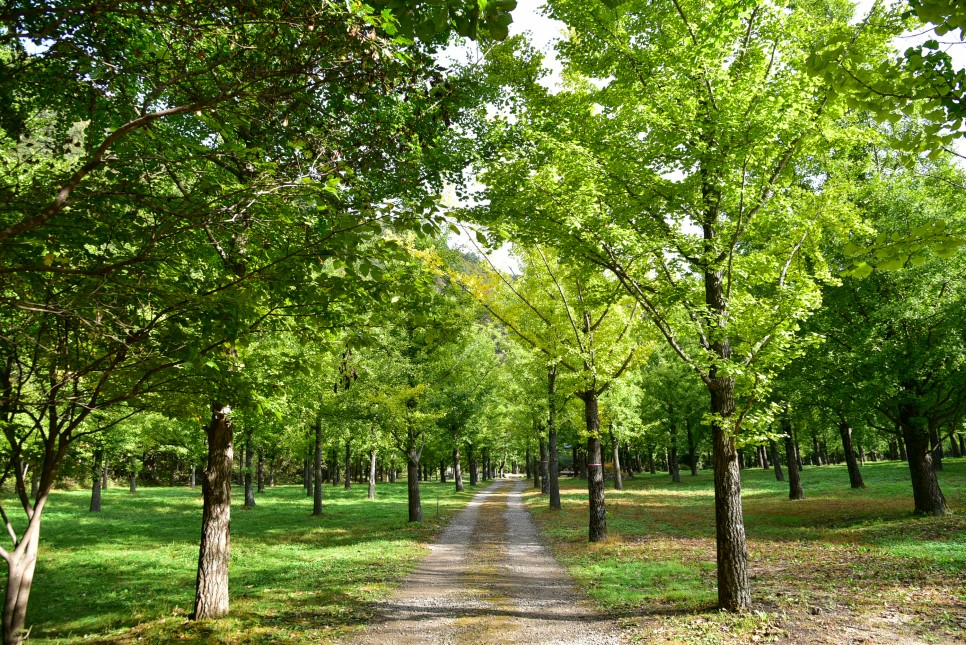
688 153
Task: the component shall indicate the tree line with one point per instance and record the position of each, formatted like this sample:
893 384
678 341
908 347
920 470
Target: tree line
734 225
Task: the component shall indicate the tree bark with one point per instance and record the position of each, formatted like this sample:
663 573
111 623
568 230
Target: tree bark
595 469
474 465
936 446
249 489
372 473
211 588
20 574
615 447
816 452
544 467
553 464
317 480
674 469
692 449
794 478
96 481
457 470
734 590
133 475
105 479
855 475
192 479
261 472
415 505
929 499
779 476
348 464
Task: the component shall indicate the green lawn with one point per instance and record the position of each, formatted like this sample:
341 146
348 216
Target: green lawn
839 556
129 571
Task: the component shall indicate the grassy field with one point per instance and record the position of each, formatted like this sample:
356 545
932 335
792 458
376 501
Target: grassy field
840 566
128 573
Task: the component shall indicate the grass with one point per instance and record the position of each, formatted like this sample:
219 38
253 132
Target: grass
128 573
838 566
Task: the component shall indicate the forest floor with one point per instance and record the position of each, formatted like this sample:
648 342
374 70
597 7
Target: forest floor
489 579
842 566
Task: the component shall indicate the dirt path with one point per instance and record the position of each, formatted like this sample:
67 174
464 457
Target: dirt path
489 580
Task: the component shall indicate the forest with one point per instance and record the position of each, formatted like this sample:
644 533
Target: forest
707 254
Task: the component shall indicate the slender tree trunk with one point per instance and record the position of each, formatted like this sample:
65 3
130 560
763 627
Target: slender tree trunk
372 473
553 463
816 452
651 466
105 479
855 475
193 478
211 588
261 472
415 505
673 467
318 481
537 468
249 488
474 465
794 478
779 475
133 474
457 470
954 447
615 446
348 464
595 469
97 482
544 467
936 446
692 449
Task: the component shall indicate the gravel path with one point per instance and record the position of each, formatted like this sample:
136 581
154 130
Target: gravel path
489 580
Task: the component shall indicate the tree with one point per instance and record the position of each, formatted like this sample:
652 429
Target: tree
688 169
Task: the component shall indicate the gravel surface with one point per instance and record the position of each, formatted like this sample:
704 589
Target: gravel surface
489 580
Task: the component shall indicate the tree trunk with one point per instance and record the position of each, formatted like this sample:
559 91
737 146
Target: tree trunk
372 473
457 470
673 467
105 479
249 488
651 466
816 453
415 505
855 475
474 465
794 478
615 446
544 467
595 469
261 472
211 588
936 446
779 475
317 480
734 591
348 464
97 482
692 449
193 478
133 474
553 464
928 496
20 574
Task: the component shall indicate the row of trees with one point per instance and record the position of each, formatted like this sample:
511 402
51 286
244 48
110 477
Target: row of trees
721 225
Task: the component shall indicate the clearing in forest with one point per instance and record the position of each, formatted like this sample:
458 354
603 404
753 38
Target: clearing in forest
489 579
